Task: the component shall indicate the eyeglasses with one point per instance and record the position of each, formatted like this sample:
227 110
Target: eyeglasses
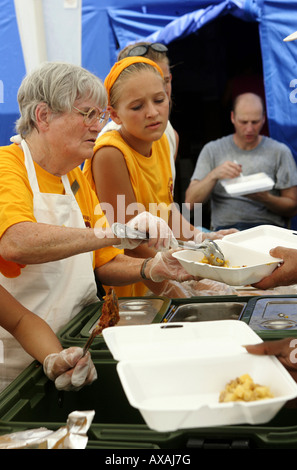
141 50
92 115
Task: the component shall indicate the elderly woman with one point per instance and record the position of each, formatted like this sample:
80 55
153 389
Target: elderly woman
54 236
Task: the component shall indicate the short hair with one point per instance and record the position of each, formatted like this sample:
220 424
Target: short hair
241 95
59 85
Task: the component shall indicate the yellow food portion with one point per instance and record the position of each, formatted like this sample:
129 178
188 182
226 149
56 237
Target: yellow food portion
243 388
223 264
205 260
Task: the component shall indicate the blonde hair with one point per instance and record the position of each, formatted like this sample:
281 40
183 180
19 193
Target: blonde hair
59 85
116 89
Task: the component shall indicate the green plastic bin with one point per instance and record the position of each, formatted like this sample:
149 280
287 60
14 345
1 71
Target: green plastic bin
32 401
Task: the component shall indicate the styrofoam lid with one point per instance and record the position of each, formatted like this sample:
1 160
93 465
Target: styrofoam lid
248 184
199 339
263 238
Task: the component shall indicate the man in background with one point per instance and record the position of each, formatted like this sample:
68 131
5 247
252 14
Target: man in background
245 152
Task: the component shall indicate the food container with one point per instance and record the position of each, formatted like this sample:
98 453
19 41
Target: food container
248 184
174 373
263 238
246 266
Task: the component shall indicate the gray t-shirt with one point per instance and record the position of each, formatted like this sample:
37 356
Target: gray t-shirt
271 157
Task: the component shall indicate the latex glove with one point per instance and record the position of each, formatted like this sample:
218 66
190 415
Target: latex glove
160 235
194 288
199 237
69 369
164 266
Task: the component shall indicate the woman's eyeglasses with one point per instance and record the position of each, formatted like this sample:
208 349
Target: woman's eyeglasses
92 115
141 50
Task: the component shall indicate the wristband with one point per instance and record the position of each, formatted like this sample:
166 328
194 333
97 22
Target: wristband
142 269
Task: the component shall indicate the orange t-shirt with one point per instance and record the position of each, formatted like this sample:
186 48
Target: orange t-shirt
17 201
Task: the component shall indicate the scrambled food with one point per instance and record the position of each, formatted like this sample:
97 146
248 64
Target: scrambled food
221 262
243 388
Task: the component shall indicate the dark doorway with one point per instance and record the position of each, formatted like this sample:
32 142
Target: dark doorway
209 68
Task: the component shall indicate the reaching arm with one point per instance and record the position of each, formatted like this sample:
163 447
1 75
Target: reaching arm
32 243
285 204
33 333
200 190
68 366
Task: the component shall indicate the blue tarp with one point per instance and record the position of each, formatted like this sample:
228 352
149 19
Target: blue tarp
12 69
108 25
172 20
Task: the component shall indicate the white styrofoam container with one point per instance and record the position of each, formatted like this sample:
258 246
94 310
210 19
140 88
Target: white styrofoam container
174 373
180 339
263 238
246 266
248 184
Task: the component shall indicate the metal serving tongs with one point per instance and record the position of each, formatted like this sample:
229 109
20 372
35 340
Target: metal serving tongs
210 249
109 317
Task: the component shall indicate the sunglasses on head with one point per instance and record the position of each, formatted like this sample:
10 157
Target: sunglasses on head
143 49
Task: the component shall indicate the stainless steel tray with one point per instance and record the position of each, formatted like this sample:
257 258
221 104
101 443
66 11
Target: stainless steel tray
274 314
208 311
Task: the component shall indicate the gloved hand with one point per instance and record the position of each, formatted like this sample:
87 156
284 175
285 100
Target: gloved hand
164 266
199 237
195 288
160 235
69 369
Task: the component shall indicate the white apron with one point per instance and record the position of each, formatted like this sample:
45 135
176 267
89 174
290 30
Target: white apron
56 291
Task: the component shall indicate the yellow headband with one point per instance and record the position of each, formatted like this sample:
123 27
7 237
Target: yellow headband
122 65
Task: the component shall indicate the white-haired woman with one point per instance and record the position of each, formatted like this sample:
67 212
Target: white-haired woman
54 236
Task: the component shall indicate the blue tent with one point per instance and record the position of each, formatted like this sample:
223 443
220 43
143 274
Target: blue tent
108 25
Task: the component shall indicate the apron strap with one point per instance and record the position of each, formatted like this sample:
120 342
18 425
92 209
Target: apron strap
32 173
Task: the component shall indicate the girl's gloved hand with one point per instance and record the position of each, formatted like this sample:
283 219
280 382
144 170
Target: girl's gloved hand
159 235
164 266
69 369
200 237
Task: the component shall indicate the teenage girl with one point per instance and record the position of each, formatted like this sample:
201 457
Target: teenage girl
133 161
158 53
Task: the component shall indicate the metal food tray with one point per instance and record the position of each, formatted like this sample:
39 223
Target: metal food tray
207 308
133 310
272 317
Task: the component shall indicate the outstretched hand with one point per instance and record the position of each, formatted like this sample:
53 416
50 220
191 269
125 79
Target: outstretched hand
285 274
284 349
